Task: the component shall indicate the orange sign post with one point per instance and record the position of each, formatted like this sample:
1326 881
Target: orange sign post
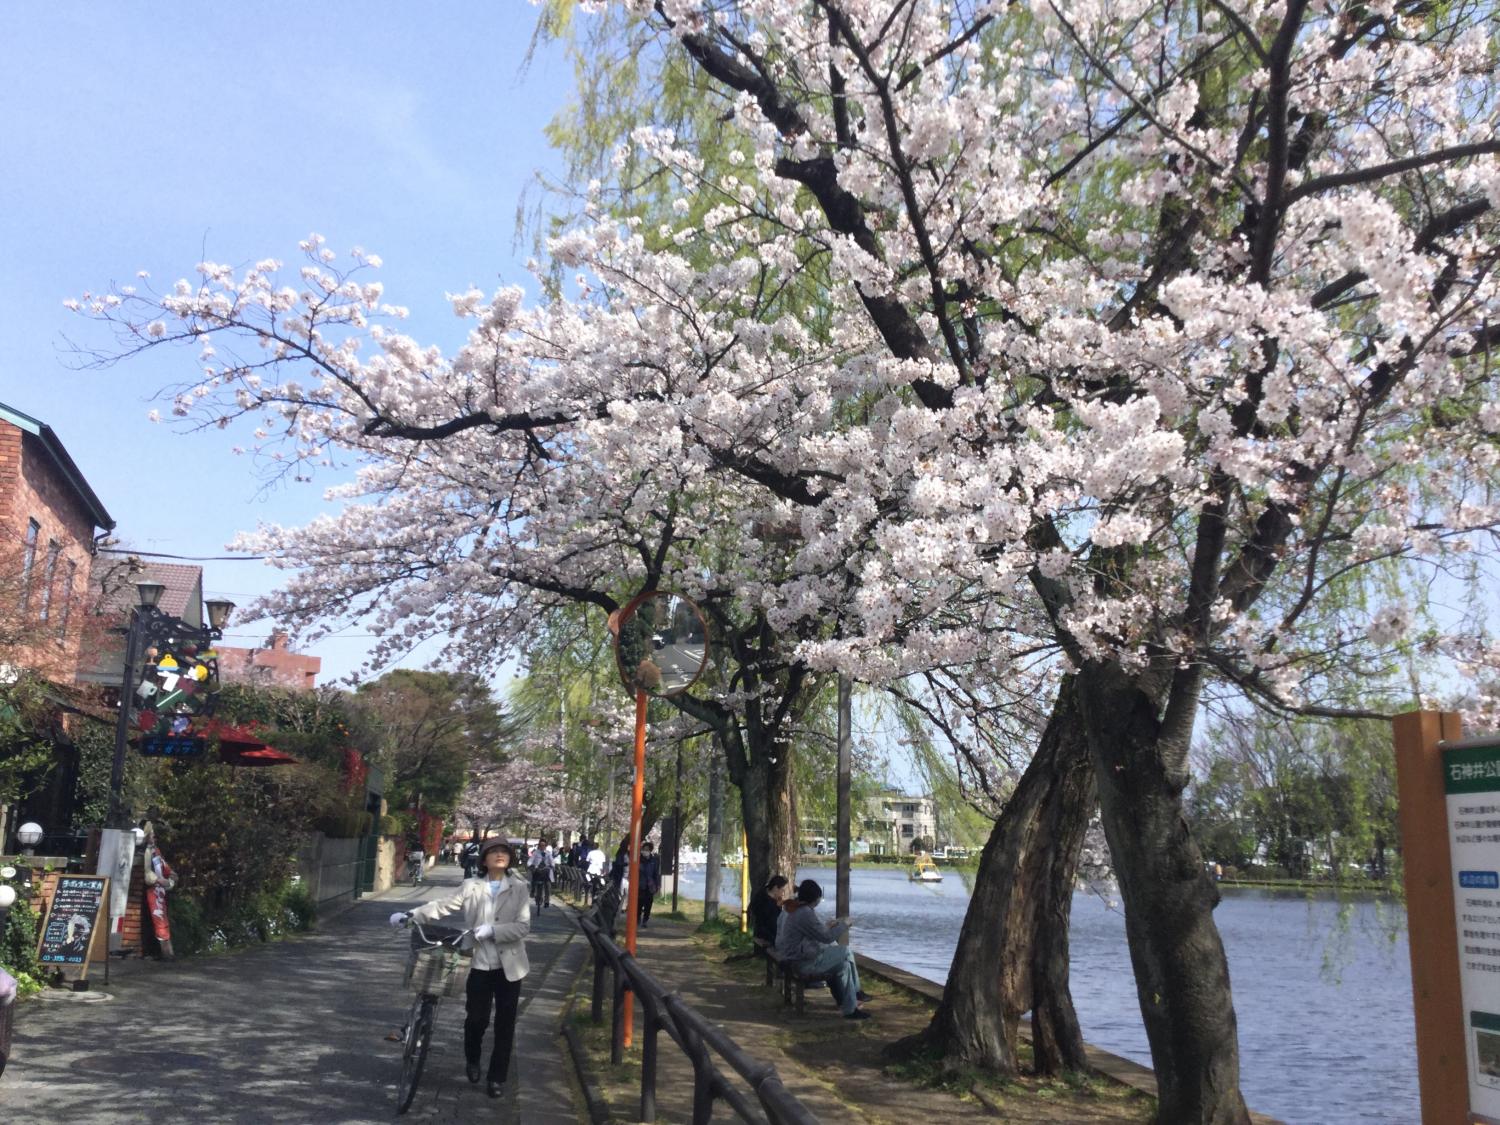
1432 932
661 648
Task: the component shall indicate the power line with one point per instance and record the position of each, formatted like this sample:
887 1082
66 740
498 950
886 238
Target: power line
185 558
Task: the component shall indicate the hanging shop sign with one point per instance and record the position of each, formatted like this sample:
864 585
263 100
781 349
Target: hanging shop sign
179 683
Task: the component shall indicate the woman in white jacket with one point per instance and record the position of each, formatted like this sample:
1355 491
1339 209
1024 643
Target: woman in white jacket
497 907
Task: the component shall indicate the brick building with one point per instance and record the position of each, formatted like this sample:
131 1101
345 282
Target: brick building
48 520
274 665
49 517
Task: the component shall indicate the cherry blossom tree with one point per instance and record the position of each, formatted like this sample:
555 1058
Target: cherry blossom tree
1161 347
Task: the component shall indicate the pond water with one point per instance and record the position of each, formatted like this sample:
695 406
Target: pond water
1322 990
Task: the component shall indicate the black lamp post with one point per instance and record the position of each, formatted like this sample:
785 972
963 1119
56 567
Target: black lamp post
149 627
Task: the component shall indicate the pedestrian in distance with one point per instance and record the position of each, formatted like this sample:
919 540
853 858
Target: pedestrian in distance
814 949
542 865
470 859
594 862
619 870
650 880
497 908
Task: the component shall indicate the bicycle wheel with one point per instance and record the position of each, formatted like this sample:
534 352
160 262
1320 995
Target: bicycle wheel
414 1057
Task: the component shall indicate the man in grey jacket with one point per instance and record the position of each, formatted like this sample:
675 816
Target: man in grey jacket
814 948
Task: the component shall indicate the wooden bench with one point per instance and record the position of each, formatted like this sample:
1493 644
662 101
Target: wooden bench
793 983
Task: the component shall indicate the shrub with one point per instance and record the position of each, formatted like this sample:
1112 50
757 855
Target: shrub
18 944
299 908
392 825
271 914
191 932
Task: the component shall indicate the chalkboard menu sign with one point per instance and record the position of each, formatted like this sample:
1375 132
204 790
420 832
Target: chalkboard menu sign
76 911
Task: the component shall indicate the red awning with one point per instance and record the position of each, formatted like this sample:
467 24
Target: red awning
265 756
238 746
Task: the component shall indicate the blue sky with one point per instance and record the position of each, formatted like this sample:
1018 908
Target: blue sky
139 136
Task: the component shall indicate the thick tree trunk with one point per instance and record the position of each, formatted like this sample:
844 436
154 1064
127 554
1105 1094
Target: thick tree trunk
1012 953
1181 973
766 808
1056 1038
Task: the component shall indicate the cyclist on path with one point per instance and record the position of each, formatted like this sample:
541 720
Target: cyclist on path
542 863
496 907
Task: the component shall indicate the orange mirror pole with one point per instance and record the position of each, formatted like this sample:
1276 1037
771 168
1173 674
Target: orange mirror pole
637 799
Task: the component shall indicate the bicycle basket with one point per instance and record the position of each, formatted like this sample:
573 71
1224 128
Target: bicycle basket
438 971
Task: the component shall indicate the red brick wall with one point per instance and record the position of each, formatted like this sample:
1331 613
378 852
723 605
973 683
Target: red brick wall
277 667
31 488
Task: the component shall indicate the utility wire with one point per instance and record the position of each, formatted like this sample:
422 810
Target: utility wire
187 558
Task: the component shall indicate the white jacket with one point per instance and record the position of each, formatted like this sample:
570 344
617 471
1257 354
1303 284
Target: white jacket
509 912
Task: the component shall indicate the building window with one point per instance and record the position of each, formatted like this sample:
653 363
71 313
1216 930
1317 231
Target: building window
908 810
54 548
908 829
67 605
28 562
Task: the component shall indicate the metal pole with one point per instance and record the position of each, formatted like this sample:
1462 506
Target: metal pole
841 879
677 829
117 817
713 873
637 799
744 882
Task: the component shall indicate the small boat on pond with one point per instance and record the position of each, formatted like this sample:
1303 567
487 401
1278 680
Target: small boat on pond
925 871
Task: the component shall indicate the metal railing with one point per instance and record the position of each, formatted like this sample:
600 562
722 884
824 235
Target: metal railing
699 1040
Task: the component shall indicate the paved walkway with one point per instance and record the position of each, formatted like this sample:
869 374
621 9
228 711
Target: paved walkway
293 1031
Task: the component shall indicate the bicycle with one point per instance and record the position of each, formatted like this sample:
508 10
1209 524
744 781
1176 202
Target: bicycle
436 968
414 872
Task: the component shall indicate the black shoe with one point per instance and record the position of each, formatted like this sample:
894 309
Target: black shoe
495 1089
858 1014
861 997
472 1070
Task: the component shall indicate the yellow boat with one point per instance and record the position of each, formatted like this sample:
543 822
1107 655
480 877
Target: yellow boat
925 871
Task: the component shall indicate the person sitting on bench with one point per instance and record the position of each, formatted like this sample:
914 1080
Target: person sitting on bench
815 950
765 910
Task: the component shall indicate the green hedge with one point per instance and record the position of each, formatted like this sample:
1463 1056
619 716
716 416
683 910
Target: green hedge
18 943
272 914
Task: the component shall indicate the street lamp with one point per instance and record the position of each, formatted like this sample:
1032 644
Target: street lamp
30 835
153 632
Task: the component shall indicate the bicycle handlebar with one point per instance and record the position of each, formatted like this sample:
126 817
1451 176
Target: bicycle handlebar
452 938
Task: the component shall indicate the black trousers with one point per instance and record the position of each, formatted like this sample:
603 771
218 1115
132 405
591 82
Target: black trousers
647 897
488 989
541 890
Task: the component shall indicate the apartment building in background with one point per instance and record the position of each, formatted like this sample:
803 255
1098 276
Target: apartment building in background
274 665
894 821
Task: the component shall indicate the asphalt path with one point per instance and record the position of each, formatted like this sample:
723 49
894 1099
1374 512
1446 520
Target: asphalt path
292 1031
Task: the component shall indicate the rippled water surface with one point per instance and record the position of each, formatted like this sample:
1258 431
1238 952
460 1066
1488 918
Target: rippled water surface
1322 991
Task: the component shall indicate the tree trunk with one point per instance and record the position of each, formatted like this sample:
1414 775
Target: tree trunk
1056 1038
1181 973
766 808
1012 953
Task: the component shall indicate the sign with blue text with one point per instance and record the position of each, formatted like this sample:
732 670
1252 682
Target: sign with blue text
1471 780
172 746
